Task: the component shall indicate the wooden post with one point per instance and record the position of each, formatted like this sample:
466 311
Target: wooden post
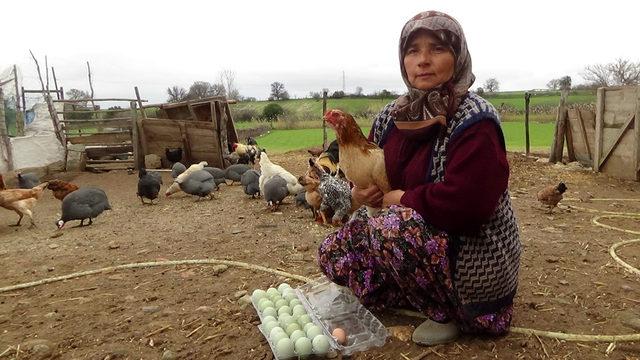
24 102
61 93
93 104
144 116
583 131
324 123
5 135
19 114
138 158
46 71
55 81
636 127
527 99
569 137
599 127
50 106
557 146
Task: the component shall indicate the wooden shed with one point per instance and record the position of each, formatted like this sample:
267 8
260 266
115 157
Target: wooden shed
609 139
202 128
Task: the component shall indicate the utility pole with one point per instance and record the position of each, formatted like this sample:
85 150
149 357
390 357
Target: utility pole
344 87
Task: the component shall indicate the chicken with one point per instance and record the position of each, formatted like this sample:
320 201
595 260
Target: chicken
217 173
22 201
82 204
28 180
246 153
335 193
275 190
361 160
551 195
312 196
148 185
175 187
234 172
199 183
251 141
173 154
269 170
2 185
249 181
61 188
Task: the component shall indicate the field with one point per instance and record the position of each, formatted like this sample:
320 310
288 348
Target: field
568 282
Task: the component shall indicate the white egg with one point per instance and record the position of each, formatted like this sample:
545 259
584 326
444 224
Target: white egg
268 326
280 303
313 331
307 326
284 310
279 336
285 348
292 327
275 298
283 286
294 302
269 312
285 319
298 310
320 344
289 296
268 318
265 304
303 346
258 294
296 335
304 319
275 330
272 291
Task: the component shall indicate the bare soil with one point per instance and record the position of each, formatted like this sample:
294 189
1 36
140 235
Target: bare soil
568 281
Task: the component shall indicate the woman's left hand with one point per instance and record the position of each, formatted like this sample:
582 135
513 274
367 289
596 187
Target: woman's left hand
392 198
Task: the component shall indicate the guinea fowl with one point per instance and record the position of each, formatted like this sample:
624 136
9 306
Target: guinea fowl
177 169
148 185
234 172
173 154
249 181
275 190
199 183
28 180
217 173
82 204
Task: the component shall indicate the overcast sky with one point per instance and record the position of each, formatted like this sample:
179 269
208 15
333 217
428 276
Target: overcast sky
304 44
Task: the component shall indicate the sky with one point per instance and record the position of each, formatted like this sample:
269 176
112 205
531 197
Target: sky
306 45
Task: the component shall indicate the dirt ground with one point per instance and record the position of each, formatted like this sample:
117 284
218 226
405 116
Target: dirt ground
568 281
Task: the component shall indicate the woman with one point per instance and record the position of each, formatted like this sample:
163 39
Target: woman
448 243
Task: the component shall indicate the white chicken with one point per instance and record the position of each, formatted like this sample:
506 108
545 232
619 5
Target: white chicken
175 187
269 170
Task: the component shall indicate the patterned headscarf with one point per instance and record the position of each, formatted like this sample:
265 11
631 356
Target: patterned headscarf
438 103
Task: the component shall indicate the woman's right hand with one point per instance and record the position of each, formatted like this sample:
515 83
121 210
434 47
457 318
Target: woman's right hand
370 196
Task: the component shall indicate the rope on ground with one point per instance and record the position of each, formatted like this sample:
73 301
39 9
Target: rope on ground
518 330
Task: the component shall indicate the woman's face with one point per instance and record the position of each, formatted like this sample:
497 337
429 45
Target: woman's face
427 62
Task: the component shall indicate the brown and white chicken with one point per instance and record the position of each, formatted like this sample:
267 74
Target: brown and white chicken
361 160
22 201
551 195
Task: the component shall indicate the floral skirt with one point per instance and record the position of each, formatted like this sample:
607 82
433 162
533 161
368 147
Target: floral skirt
395 259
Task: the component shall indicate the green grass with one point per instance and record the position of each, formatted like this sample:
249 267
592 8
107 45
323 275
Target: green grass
280 141
515 99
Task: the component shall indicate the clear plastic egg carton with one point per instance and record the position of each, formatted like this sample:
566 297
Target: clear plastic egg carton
334 307
328 306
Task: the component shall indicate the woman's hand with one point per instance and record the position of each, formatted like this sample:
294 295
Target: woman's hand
370 196
392 198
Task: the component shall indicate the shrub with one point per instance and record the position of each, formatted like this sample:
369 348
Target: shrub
244 114
272 111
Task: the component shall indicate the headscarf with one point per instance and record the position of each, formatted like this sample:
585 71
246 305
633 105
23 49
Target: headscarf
425 108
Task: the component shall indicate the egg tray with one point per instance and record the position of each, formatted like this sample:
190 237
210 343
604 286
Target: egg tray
334 306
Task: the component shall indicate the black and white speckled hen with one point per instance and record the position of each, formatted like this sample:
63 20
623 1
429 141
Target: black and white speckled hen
335 192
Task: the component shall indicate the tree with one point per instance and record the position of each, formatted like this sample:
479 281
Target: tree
625 72
76 94
272 111
278 91
480 90
492 85
227 80
201 89
218 90
176 94
563 83
358 91
597 75
338 94
553 84
315 95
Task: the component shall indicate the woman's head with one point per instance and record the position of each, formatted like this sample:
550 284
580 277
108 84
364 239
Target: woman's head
434 55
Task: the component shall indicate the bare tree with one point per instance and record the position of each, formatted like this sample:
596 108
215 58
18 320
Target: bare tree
227 80
218 90
597 75
200 89
492 85
76 94
278 91
625 72
176 94
563 83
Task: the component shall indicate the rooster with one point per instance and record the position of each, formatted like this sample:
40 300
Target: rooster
173 154
61 188
361 160
22 201
551 195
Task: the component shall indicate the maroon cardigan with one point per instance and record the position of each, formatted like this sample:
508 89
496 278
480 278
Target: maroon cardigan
476 175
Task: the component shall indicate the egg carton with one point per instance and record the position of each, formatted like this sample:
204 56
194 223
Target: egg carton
330 306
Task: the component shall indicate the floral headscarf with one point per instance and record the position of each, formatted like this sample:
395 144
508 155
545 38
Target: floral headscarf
436 104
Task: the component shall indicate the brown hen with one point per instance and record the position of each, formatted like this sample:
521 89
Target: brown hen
551 195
